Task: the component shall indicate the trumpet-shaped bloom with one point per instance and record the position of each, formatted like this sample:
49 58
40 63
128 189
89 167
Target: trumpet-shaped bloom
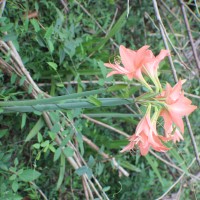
151 67
145 137
133 61
176 106
172 134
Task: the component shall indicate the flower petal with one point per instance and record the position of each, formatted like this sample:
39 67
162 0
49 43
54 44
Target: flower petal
176 91
178 121
142 57
167 120
161 56
129 147
127 56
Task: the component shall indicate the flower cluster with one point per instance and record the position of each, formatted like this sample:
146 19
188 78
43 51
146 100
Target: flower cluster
169 103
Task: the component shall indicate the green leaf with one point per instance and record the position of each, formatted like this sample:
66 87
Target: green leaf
9 37
34 131
91 161
84 170
30 89
3 166
153 164
50 46
13 169
6 27
60 85
56 128
53 65
94 101
45 143
103 68
52 135
15 186
57 154
49 33
35 24
16 162
20 171
29 175
117 87
13 78
128 165
116 144
52 148
23 120
38 155
79 138
39 137
116 28
46 148
36 145
88 72
105 189
179 160
65 140
21 82
62 171
68 152
3 132
13 177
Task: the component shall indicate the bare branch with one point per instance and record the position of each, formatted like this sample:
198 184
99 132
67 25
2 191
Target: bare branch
189 34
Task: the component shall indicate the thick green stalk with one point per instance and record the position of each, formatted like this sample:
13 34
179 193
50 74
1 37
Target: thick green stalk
70 105
58 99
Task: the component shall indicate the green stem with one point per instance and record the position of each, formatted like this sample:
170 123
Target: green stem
146 84
158 82
50 100
69 105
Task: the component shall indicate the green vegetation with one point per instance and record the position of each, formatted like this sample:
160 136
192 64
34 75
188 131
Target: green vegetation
73 153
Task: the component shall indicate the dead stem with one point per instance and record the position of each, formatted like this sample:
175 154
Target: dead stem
189 34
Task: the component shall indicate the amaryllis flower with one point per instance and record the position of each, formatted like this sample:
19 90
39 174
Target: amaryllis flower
133 61
151 67
176 106
145 137
173 134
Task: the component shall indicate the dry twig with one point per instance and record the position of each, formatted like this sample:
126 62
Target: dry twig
189 34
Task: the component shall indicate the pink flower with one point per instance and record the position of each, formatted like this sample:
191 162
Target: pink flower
172 134
176 106
133 61
145 137
151 67
177 136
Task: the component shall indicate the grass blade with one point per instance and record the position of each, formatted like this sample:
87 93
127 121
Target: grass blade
35 130
153 164
62 171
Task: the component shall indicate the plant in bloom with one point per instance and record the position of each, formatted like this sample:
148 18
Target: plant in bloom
133 61
146 136
176 106
137 62
170 103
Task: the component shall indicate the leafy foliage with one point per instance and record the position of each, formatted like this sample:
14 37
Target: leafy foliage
64 49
